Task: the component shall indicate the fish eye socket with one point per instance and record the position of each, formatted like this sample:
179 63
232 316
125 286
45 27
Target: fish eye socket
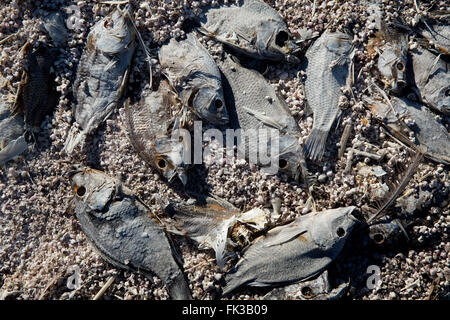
282 163
108 24
218 104
307 292
281 38
161 163
81 191
340 232
378 238
447 92
400 66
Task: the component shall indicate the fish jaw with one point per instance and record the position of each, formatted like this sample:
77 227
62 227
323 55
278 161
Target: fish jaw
209 103
169 159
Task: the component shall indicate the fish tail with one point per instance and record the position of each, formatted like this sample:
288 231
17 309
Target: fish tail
13 149
73 139
178 288
314 147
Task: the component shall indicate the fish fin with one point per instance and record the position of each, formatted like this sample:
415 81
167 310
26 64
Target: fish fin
314 147
13 149
286 236
73 139
219 247
178 288
263 118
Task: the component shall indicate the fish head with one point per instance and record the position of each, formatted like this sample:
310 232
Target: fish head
273 41
331 228
392 66
169 158
290 156
209 104
92 188
383 231
114 33
437 93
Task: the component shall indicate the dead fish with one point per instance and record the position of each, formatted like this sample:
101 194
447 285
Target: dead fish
294 252
392 65
102 74
253 104
428 132
56 29
327 71
430 75
438 34
385 231
195 76
123 231
213 222
12 139
37 95
149 124
251 27
315 289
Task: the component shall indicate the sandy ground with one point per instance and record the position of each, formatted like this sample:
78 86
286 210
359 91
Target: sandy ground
40 239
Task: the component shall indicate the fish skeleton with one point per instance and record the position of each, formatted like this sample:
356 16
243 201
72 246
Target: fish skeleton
251 27
123 231
195 76
293 252
102 74
327 71
253 104
148 124
430 75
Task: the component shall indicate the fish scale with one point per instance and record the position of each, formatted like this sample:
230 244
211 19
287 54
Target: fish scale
322 87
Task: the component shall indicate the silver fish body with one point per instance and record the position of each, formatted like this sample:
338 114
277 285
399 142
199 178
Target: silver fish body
428 132
254 105
123 231
148 126
431 76
102 74
12 141
195 76
294 252
314 289
251 27
327 71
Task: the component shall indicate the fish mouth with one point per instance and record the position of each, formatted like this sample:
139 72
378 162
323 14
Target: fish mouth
76 168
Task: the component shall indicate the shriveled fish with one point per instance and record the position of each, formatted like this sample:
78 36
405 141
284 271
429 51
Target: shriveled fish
195 76
385 231
393 59
428 132
251 27
327 71
315 289
150 125
123 231
294 252
37 95
438 34
102 74
55 27
430 75
12 140
255 107
213 222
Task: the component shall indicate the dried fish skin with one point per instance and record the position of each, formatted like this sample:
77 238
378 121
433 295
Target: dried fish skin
195 76
315 289
148 126
56 29
102 74
392 65
429 133
431 76
123 231
438 34
293 252
327 71
213 222
12 141
252 28
385 231
37 95
253 104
